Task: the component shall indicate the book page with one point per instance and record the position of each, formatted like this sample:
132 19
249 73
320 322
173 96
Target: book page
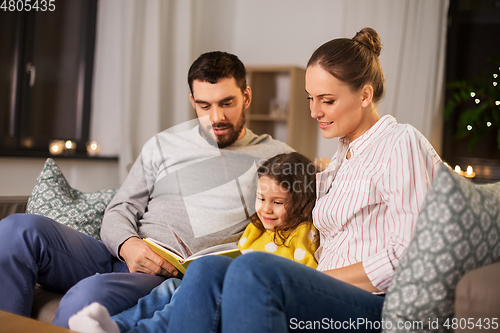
217 249
184 248
179 255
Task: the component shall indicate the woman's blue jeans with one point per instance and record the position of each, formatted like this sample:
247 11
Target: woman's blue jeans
266 293
260 292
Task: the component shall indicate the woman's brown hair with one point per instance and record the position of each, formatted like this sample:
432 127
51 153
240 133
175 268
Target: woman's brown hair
297 174
353 61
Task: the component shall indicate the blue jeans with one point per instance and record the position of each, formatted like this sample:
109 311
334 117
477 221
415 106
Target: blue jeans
267 293
261 292
192 307
35 249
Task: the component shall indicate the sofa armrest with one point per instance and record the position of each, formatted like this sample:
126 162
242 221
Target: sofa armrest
45 304
478 295
12 204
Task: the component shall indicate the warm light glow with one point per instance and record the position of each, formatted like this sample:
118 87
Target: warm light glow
488 124
93 148
457 169
469 127
477 100
495 76
495 84
56 147
69 144
470 172
472 94
497 103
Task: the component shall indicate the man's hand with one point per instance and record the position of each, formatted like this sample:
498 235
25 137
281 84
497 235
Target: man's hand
140 258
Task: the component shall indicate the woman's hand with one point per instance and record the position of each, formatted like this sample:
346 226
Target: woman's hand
140 258
353 274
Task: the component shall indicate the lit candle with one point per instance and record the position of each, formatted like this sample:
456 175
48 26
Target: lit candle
93 148
56 147
458 170
69 147
470 172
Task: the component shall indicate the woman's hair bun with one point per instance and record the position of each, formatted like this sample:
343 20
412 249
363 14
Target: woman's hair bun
369 38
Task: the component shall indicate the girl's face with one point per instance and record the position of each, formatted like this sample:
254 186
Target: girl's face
270 202
339 111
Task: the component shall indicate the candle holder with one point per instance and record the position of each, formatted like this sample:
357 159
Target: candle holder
469 173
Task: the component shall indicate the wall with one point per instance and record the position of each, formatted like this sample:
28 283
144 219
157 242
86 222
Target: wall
286 32
18 175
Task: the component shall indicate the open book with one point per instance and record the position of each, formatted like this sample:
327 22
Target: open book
181 260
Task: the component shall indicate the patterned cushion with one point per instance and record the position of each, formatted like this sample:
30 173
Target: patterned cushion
458 230
54 198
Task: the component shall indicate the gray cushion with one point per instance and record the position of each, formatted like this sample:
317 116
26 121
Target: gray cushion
53 197
458 230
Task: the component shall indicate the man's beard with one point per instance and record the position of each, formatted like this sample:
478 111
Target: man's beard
222 141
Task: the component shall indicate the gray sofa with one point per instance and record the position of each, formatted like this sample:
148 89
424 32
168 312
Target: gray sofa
477 294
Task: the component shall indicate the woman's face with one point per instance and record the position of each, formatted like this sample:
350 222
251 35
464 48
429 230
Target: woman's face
270 202
339 111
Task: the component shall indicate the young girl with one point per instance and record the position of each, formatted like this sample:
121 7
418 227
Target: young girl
282 225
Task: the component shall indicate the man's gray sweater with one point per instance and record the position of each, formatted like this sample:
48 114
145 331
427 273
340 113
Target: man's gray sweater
181 183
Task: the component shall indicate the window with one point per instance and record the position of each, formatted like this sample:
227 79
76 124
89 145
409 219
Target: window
473 30
46 60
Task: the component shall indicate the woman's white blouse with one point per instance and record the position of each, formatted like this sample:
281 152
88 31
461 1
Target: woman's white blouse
367 206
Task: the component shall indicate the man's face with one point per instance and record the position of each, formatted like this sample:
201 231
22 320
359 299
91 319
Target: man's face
224 103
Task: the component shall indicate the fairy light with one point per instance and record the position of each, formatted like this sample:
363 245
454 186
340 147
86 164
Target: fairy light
458 170
472 94
469 127
477 100
495 76
488 124
497 103
494 83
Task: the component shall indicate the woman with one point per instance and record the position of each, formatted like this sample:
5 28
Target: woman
367 205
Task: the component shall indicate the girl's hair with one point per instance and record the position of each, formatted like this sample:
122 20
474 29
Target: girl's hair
297 174
353 61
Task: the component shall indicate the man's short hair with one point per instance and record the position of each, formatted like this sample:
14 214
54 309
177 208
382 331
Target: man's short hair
213 66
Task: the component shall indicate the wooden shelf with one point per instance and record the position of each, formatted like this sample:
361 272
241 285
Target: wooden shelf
280 107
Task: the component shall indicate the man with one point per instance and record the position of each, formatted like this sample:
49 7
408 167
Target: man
190 186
